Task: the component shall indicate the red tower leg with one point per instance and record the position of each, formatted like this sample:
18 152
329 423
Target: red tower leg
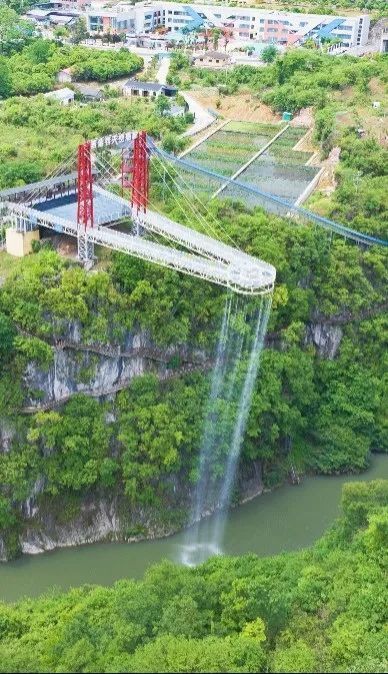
140 172
126 170
85 215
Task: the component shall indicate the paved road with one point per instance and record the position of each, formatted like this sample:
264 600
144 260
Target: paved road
203 118
164 66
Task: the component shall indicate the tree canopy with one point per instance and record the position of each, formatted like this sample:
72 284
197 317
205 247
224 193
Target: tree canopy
318 610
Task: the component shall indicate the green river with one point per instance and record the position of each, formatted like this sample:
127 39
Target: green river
289 518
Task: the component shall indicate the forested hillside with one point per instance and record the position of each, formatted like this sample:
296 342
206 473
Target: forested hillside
319 403
48 133
320 392
320 610
34 68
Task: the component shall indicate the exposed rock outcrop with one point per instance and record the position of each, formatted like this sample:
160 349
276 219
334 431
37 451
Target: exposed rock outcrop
326 338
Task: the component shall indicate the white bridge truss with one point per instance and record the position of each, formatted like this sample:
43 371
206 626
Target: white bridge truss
204 257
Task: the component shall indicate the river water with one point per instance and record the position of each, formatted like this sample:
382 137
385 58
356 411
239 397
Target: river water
289 518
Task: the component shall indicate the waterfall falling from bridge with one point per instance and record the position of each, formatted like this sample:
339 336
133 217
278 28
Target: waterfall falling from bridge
239 348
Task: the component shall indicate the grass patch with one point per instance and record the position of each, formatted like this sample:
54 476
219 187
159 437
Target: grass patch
8 264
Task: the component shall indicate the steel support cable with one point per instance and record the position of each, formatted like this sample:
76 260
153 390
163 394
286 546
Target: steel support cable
207 226
208 229
338 228
189 204
198 215
212 216
109 173
55 173
107 168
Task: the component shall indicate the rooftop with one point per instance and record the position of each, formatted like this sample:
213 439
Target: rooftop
213 55
149 86
87 90
60 94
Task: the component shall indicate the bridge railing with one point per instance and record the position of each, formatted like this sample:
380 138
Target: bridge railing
253 196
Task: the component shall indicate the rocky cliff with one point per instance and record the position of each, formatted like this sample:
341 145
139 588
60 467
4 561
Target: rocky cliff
101 371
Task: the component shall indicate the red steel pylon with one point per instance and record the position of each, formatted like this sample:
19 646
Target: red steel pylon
140 172
126 170
85 215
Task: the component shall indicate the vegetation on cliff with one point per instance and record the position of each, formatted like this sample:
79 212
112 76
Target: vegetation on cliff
329 413
319 401
319 610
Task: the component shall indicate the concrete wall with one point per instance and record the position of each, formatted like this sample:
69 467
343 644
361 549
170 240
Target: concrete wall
19 244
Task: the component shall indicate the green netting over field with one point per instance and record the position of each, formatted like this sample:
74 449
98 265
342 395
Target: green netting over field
280 170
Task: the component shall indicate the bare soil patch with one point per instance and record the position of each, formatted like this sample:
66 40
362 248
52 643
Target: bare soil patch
243 107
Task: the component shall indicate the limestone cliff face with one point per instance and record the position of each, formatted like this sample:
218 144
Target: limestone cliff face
102 517
326 338
98 370
101 371
78 372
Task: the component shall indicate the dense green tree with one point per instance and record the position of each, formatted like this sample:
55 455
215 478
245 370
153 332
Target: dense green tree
78 31
5 78
14 32
7 337
269 53
211 618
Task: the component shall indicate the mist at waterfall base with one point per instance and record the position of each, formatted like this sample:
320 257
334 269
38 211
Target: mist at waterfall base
241 339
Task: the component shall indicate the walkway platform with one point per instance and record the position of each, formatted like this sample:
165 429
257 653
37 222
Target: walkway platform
106 209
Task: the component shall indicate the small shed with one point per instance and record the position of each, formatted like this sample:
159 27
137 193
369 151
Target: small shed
65 76
287 116
64 96
38 14
212 59
61 19
90 94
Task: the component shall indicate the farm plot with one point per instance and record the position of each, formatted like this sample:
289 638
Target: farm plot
280 170
229 149
199 183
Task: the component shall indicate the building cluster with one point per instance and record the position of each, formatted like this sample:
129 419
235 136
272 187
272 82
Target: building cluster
172 20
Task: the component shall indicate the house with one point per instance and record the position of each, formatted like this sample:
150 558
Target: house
65 76
64 96
147 89
90 94
212 59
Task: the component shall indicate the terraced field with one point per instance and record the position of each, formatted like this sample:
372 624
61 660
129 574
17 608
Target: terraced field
279 171
225 151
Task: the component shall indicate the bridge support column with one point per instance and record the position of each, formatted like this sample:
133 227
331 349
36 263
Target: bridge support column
19 243
85 212
140 173
85 249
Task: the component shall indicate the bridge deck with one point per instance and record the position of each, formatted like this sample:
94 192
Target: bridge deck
106 208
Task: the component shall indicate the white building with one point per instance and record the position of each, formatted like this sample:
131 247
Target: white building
270 26
147 89
64 96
